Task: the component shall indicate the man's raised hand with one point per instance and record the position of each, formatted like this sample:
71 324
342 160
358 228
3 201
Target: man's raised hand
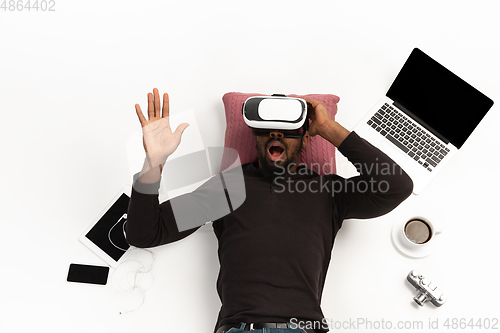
158 139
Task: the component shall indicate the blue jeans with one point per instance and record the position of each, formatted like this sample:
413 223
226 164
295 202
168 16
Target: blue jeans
266 330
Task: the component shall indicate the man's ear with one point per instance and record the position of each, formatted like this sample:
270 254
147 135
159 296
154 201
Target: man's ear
305 140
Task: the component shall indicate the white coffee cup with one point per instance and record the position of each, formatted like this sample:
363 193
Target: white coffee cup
418 232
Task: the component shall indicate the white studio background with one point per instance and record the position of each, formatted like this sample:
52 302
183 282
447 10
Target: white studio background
69 82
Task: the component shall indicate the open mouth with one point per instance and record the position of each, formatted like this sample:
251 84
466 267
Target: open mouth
275 150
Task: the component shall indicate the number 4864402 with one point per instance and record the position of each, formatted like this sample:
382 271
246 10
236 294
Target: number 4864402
463 323
21 5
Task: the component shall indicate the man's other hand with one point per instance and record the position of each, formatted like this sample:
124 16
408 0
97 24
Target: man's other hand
323 124
319 116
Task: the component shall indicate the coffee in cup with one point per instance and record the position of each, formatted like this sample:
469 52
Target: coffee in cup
419 231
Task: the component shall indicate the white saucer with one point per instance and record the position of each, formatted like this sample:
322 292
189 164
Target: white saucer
417 251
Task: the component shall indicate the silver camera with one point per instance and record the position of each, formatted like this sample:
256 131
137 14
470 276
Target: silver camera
427 290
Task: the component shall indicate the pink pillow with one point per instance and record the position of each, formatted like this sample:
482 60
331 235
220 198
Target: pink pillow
319 155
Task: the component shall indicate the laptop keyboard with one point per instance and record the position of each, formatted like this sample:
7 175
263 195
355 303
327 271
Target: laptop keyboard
408 136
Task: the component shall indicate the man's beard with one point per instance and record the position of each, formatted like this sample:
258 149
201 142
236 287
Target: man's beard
271 169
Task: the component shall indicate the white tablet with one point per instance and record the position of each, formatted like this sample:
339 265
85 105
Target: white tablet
106 235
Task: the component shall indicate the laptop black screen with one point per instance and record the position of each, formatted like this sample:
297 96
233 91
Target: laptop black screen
444 103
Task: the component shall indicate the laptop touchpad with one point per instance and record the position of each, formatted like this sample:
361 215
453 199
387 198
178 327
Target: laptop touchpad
396 154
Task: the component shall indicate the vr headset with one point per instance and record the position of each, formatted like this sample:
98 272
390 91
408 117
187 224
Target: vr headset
288 115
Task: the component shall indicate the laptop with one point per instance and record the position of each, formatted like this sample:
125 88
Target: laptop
426 116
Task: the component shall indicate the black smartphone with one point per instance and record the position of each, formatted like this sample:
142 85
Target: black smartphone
88 274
